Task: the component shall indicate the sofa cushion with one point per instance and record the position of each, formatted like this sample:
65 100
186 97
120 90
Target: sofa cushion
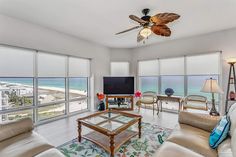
232 116
169 149
194 139
233 143
50 153
11 129
202 121
220 132
224 149
24 145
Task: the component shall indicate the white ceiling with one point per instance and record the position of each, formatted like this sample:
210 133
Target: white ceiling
99 20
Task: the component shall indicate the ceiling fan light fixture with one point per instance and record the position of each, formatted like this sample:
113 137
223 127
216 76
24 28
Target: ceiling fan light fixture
146 32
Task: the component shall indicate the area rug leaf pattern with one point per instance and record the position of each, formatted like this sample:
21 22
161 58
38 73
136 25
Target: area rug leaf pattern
152 138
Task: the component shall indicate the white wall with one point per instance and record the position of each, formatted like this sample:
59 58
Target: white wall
224 41
19 33
122 55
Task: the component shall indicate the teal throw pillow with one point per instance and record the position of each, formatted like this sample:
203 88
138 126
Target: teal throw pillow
220 132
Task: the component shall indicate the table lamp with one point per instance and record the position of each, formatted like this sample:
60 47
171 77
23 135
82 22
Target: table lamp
211 86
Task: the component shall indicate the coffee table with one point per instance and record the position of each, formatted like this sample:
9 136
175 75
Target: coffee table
110 128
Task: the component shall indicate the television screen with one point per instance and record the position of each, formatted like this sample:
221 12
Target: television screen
118 85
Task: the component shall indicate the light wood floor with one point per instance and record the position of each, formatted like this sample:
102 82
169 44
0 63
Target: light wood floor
64 130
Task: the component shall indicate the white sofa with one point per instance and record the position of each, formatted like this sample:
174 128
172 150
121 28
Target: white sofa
17 139
190 137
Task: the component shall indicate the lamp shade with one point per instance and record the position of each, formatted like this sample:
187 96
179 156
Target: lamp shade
231 60
211 86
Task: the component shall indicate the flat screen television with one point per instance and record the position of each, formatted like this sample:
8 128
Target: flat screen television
118 85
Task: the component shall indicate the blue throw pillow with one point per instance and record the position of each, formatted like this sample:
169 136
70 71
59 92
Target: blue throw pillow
220 132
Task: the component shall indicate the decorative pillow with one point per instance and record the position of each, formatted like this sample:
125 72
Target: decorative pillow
220 132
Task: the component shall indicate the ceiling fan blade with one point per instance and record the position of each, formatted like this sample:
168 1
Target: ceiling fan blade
164 18
140 37
137 19
161 30
136 27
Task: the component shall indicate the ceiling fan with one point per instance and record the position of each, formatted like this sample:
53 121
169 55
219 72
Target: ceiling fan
152 24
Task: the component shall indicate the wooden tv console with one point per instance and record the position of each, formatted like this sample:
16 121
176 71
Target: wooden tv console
117 97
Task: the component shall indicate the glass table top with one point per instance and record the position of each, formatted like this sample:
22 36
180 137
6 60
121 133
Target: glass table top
109 121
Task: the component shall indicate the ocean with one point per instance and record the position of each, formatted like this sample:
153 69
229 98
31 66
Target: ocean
195 84
74 83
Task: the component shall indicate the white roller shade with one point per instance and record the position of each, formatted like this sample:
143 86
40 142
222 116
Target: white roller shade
50 65
206 64
148 68
16 62
119 68
172 66
79 67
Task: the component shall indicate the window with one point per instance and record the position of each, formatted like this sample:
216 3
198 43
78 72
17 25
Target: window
16 83
78 84
195 84
148 84
16 93
78 105
16 115
51 111
200 68
185 75
41 83
119 68
148 75
51 90
174 82
78 87
172 75
148 68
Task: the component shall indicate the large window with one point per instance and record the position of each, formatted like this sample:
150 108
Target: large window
172 75
16 93
148 72
51 90
51 111
185 75
199 68
174 82
78 84
41 85
148 84
78 87
195 84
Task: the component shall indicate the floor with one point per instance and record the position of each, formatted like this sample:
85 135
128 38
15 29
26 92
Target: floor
64 130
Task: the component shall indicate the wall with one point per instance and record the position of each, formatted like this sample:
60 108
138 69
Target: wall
224 41
19 33
122 55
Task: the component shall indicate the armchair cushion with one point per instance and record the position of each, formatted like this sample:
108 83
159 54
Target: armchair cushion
11 129
147 100
202 121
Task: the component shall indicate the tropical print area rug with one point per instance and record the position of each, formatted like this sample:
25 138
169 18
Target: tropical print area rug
152 138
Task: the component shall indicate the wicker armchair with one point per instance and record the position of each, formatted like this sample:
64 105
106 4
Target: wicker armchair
195 102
